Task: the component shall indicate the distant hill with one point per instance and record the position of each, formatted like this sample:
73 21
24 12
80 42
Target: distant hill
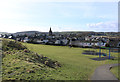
26 32
33 32
65 32
4 33
76 31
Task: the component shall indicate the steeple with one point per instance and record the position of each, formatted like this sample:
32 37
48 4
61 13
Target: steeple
50 32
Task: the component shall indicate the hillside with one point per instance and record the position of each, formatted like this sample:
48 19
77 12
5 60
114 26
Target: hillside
19 63
4 33
26 32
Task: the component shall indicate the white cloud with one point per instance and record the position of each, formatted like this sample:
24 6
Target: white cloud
104 26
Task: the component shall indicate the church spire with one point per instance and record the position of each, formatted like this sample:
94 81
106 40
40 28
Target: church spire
50 32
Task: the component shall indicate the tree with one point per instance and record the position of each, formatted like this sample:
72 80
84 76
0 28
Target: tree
107 45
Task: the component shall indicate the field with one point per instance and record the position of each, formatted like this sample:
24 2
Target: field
75 65
24 61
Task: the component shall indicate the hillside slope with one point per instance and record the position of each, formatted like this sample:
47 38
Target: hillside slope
19 63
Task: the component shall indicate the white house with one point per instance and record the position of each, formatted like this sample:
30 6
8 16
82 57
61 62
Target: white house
58 42
65 41
0 35
39 41
45 41
26 39
10 37
87 43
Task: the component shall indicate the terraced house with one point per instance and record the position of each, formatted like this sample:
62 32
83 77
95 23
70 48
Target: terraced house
85 43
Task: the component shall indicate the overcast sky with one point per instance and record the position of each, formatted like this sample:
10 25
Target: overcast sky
72 15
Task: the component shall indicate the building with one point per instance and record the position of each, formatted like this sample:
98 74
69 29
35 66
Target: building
26 39
50 32
85 43
114 43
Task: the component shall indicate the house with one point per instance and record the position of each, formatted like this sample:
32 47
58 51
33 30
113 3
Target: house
100 44
18 39
64 41
11 37
50 42
5 36
114 43
58 42
84 43
26 39
41 41
45 41
38 41
1 35
87 38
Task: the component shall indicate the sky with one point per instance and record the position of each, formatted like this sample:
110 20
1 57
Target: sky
67 15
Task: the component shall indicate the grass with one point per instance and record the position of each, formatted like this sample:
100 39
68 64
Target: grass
75 65
18 63
17 69
115 71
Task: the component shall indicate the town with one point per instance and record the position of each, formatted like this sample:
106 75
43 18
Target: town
72 39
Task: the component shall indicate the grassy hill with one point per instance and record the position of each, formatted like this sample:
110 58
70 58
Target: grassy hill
19 63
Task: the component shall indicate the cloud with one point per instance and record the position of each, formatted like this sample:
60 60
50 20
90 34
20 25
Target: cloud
104 26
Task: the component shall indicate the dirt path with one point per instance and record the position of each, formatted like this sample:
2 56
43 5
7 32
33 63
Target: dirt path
103 73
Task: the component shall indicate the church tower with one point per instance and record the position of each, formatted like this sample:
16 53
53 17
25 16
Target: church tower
50 32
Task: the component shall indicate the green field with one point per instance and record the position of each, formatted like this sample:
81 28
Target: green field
46 62
75 65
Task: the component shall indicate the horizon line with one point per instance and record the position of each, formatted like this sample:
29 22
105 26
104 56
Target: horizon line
48 31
